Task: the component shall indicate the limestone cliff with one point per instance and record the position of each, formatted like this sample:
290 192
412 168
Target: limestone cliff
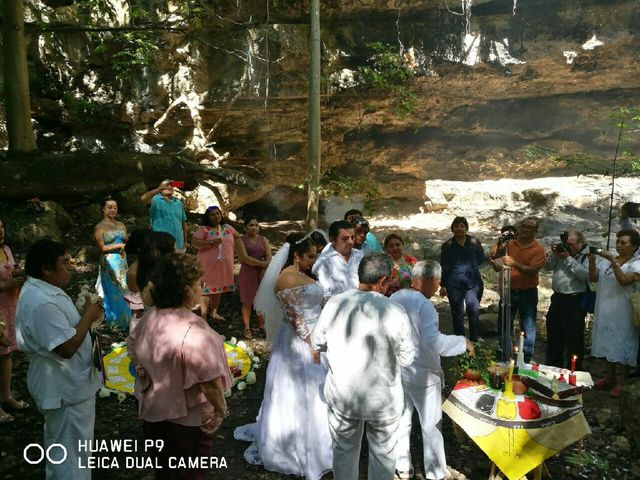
503 89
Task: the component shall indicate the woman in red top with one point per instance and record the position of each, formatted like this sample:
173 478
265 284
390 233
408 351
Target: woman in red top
402 263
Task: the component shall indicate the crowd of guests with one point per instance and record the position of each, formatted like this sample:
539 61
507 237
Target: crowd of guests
325 303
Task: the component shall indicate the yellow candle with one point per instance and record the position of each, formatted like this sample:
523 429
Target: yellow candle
508 386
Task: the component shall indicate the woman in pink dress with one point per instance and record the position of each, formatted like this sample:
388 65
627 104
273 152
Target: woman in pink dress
254 253
182 370
214 240
10 283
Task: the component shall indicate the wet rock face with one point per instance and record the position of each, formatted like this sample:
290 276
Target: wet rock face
503 89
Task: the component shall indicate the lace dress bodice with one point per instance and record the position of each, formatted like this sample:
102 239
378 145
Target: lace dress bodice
302 306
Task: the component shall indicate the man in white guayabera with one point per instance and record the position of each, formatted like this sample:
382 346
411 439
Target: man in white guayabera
422 380
367 339
61 377
337 265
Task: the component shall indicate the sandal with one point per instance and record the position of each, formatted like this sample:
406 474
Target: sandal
247 334
13 405
616 391
6 418
605 383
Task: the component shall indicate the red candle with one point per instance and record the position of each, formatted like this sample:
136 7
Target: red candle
572 378
573 363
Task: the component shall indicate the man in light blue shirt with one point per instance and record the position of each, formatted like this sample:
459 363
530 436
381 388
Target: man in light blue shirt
167 213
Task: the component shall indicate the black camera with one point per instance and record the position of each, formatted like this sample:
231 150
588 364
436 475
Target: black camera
507 235
563 246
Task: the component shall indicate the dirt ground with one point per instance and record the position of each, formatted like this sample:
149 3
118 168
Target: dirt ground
118 420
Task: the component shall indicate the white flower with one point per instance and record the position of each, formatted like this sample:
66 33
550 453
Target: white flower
227 393
249 351
242 345
242 386
233 340
251 378
104 392
121 396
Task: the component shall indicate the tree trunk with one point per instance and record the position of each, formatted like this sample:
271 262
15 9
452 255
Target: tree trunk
16 79
84 174
314 117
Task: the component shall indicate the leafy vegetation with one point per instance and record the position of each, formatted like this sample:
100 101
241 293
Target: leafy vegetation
588 460
477 363
131 51
334 183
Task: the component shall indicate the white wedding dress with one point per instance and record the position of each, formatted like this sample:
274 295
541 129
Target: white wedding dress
291 435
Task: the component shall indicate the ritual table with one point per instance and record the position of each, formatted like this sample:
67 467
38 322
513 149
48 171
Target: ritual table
517 434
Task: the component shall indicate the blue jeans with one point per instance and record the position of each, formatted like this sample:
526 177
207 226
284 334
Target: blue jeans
458 298
526 303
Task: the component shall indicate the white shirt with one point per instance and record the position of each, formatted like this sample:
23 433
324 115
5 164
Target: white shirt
334 273
429 343
367 338
46 318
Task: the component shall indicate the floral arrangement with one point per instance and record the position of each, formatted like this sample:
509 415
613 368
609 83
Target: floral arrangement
85 294
242 362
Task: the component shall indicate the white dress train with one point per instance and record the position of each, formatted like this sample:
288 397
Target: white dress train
291 434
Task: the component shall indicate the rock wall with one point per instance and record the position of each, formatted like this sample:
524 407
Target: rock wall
504 89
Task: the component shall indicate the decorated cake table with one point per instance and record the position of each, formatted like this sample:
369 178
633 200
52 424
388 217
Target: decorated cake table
519 432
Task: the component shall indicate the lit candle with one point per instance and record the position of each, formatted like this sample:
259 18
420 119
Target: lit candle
573 363
508 386
522 341
519 357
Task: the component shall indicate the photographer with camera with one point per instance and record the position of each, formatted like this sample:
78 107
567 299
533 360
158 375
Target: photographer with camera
565 318
524 256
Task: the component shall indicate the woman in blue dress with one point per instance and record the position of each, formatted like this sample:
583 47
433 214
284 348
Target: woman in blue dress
110 236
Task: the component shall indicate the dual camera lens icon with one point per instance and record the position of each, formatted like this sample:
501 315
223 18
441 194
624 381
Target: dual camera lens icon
56 453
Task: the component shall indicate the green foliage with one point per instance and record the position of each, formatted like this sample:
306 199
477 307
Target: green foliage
477 363
334 183
589 460
80 109
385 68
132 51
386 72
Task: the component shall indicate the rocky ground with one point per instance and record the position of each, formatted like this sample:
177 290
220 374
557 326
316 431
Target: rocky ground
607 453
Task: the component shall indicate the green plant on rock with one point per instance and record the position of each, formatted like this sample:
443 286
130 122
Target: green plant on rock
82 110
133 51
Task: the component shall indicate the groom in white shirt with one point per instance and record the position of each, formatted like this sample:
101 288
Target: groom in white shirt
422 380
367 339
337 265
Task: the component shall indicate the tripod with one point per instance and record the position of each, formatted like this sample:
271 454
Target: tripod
506 325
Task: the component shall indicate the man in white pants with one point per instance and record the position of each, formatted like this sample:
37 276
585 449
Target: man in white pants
367 339
61 377
422 380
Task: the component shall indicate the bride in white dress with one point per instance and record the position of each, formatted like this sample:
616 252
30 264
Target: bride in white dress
291 434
